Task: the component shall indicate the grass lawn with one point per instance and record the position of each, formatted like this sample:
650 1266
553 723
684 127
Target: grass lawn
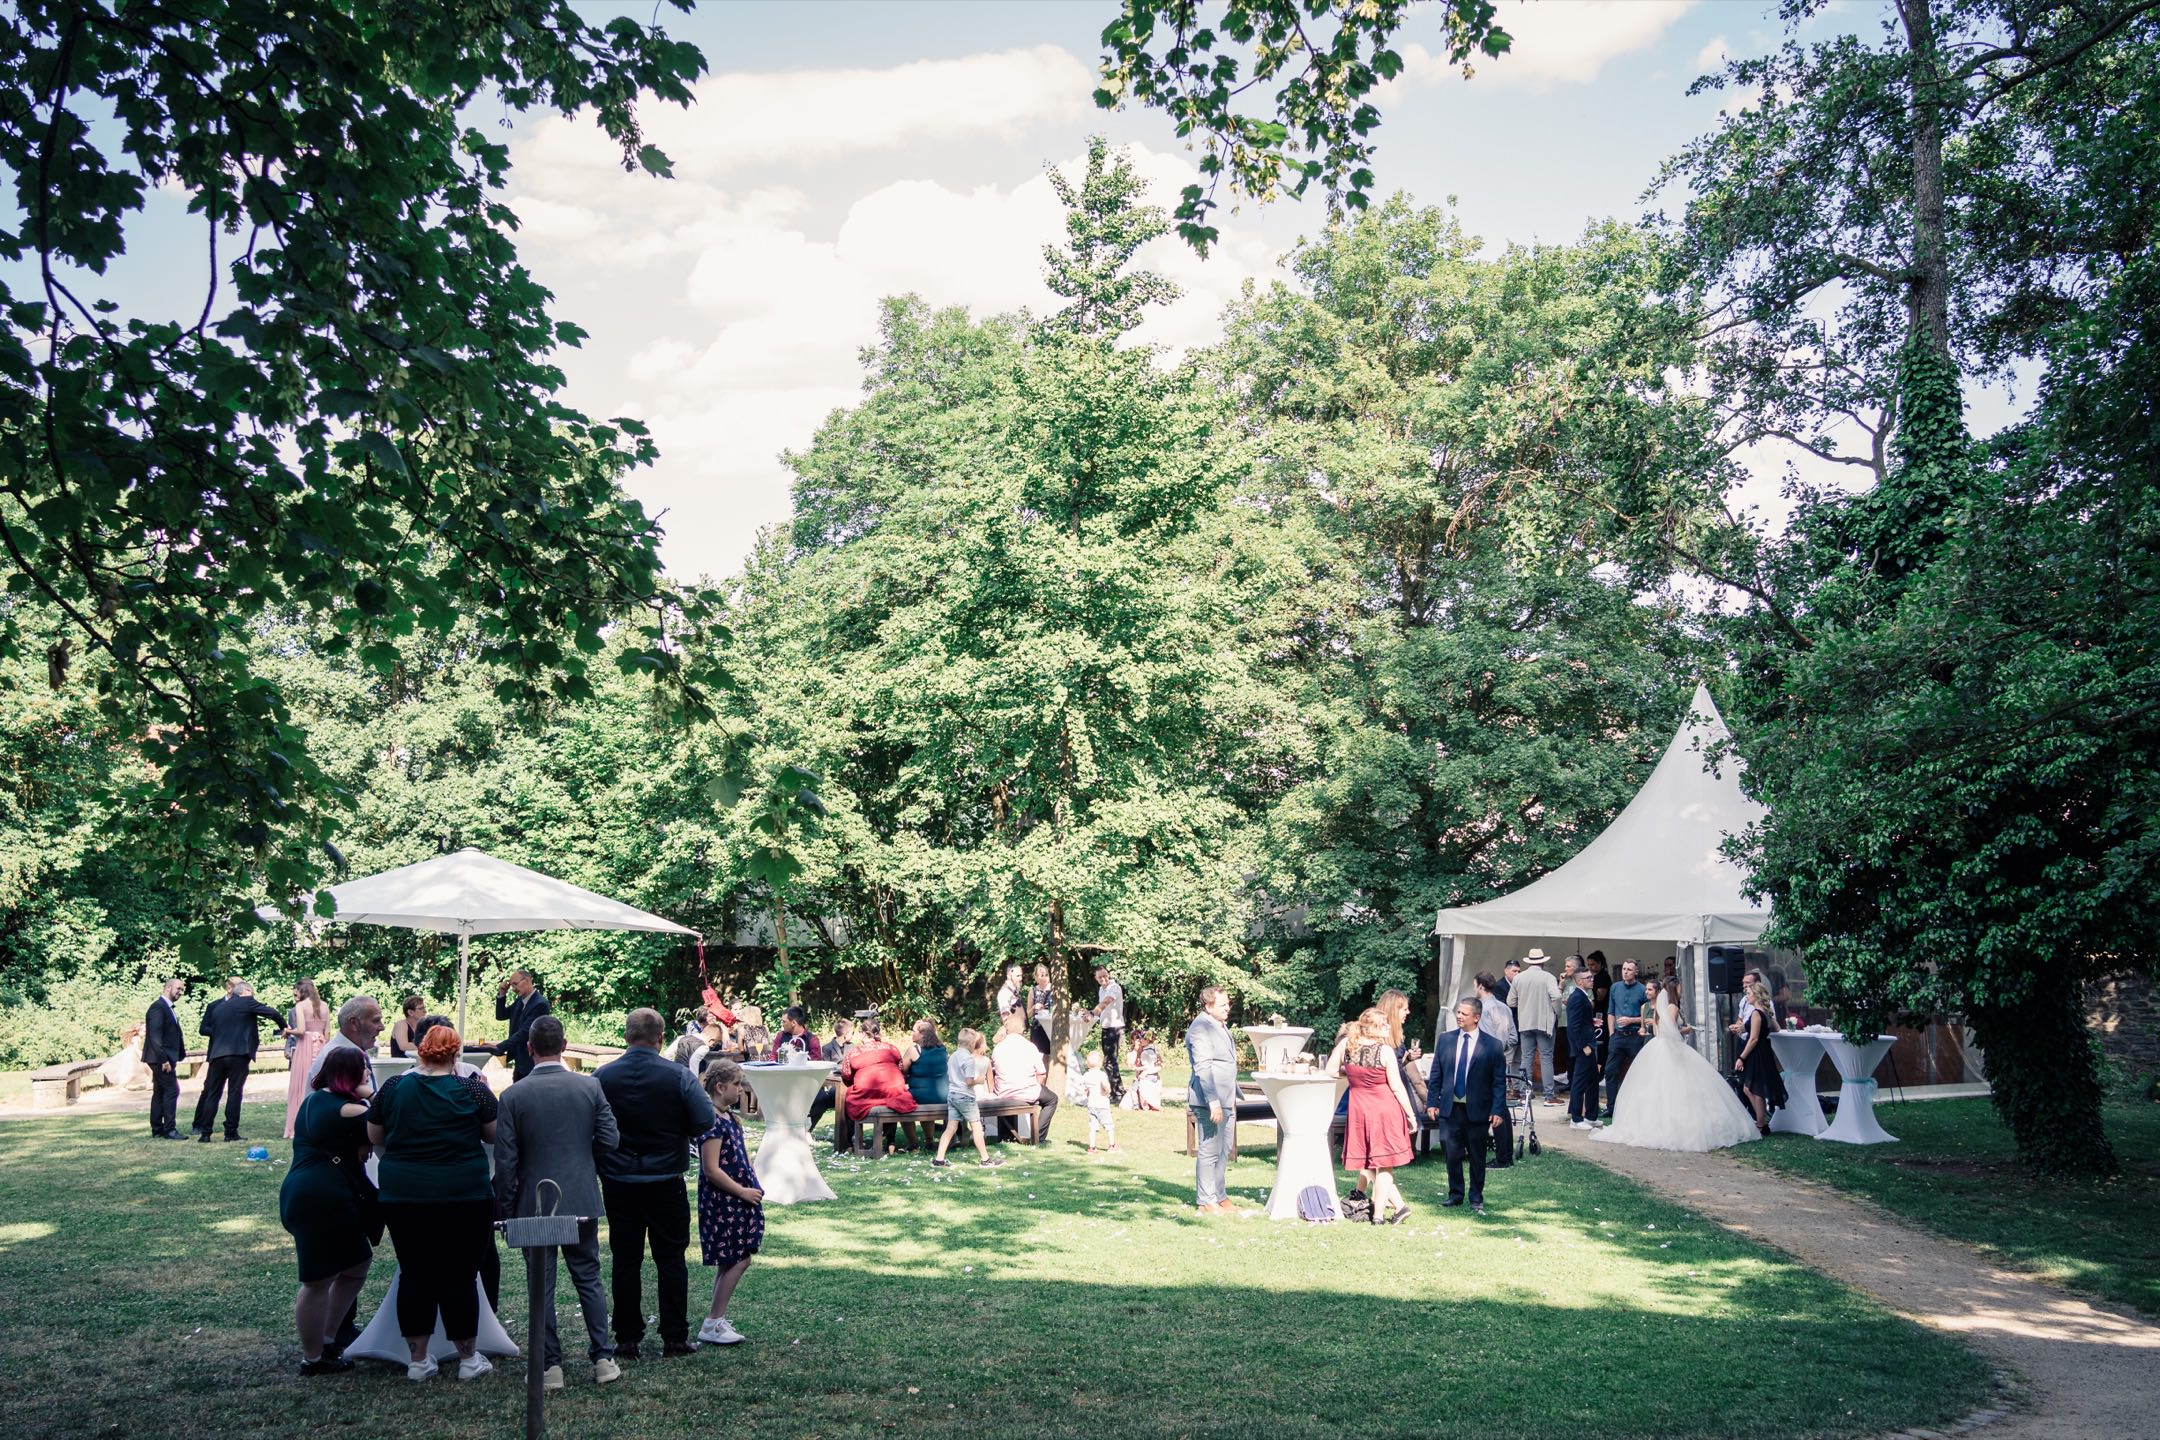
1053 1297
1952 1172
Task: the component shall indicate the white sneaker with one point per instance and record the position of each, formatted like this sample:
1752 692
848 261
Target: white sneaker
551 1378
473 1366
605 1370
421 1369
1581 1125
718 1332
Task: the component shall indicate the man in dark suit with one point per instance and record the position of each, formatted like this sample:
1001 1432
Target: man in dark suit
659 1108
164 1046
231 1025
1466 1092
520 1013
1582 1038
550 1126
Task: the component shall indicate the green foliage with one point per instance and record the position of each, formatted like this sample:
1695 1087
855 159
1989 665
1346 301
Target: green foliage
1279 92
1104 225
1946 689
356 424
1459 447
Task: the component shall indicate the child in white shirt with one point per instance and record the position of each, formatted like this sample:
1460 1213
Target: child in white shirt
967 1066
1102 1115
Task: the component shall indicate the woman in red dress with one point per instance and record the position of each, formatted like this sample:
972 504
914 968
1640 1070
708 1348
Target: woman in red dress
874 1076
1376 1132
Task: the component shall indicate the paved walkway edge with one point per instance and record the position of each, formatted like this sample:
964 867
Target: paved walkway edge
2064 1366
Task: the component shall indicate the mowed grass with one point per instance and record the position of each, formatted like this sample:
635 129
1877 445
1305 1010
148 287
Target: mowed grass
1954 1171
149 1287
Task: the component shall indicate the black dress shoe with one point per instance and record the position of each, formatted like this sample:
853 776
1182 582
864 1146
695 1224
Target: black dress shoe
1450 1202
204 1138
232 1139
1478 1209
672 1349
626 1353
326 1364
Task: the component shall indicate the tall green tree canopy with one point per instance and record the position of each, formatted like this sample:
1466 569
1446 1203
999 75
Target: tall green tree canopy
1465 444
1946 680
356 420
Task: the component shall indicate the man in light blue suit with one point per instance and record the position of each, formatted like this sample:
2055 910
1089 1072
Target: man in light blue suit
1212 1097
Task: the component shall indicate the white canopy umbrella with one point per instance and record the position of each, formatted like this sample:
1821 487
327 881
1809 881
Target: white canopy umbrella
469 892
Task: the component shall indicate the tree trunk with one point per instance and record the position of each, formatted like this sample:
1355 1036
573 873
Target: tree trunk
2045 1077
1928 291
787 971
1061 995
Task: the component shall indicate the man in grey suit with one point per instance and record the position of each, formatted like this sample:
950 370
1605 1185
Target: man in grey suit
549 1126
1212 1097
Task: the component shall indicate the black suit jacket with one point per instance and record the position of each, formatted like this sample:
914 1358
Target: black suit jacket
1485 1089
162 1037
1581 1022
520 1014
231 1025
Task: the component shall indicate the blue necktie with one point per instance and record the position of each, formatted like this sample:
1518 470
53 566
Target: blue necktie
1462 1065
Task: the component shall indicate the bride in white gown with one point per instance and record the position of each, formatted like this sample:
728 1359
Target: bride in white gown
1673 1099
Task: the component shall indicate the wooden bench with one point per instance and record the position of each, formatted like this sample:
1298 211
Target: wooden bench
588 1058
1251 1107
870 1130
60 1085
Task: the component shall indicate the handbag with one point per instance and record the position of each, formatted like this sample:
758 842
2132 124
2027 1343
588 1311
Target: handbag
1357 1205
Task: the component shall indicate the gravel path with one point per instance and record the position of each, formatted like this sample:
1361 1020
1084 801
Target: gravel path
2086 1371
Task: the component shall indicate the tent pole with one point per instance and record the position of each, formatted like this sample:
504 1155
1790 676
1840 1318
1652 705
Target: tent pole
463 940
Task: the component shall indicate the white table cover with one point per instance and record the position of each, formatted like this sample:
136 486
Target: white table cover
1798 1053
786 1169
1276 1045
1304 1108
1856 1123
381 1340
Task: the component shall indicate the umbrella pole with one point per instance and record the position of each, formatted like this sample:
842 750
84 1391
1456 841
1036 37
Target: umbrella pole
463 940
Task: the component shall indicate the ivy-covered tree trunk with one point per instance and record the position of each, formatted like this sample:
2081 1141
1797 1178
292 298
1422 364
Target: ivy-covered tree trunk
2045 1078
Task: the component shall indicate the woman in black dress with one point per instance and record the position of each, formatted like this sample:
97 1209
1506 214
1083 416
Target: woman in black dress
1760 1080
328 1205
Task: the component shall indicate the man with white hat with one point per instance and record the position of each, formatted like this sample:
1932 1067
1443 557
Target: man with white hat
1536 997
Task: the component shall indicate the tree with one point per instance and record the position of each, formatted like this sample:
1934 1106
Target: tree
357 422
1017 628
1940 692
1279 99
1467 442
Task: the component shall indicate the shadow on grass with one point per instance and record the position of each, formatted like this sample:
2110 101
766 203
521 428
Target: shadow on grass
1050 1297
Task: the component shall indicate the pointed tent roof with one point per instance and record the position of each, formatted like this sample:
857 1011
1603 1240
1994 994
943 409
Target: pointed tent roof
1656 873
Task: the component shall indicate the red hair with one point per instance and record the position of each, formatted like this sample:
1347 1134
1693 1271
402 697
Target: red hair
440 1044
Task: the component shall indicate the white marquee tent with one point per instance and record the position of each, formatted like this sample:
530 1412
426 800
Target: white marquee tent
1655 875
469 892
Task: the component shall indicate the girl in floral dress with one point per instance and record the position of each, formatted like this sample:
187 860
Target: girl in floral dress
731 1206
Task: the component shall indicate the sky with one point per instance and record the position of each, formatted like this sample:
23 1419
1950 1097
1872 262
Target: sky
840 152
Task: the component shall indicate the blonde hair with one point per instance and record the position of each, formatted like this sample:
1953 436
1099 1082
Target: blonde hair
1396 1007
1760 994
719 1073
970 1040
1372 1024
1094 1060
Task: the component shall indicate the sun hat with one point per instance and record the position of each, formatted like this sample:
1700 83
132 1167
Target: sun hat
1535 957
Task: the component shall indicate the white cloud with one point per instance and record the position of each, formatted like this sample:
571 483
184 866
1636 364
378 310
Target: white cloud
732 320
1559 42
1713 55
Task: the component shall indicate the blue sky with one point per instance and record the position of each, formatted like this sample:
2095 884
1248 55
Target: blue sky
843 151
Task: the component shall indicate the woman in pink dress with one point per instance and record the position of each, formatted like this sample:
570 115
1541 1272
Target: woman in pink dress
1376 1132
310 1027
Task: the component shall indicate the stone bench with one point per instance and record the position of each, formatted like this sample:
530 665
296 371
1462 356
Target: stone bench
57 1086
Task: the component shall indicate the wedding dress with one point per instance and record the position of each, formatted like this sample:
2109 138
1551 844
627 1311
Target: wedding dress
1673 1099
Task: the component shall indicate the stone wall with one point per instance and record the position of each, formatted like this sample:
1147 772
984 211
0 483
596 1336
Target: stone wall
2125 1013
